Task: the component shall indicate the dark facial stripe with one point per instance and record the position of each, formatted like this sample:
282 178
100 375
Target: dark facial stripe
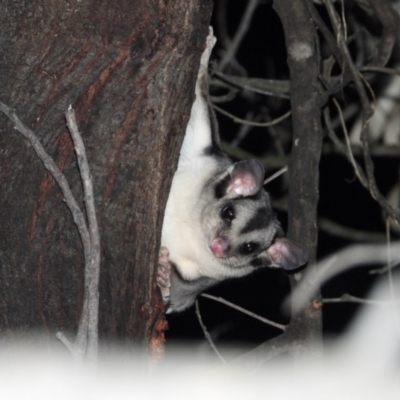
258 262
221 186
260 220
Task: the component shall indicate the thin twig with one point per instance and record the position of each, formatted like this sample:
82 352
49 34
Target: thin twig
267 87
225 98
348 298
221 23
358 255
384 270
383 70
367 113
207 335
92 269
377 150
256 358
243 130
268 161
325 32
244 311
276 174
345 232
67 343
251 123
348 152
356 167
55 172
240 33
390 21
87 338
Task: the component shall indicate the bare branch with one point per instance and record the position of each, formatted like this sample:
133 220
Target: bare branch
207 335
92 269
345 232
243 130
267 87
276 174
384 270
390 21
367 113
383 70
287 342
244 311
252 123
267 161
55 172
348 298
240 33
220 14
357 169
377 150
350 257
87 338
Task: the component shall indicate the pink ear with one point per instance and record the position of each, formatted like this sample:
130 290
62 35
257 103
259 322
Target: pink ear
287 254
247 178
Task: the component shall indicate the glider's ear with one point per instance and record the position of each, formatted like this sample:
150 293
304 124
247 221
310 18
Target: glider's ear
287 254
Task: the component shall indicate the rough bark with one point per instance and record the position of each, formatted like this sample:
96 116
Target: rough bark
307 146
128 68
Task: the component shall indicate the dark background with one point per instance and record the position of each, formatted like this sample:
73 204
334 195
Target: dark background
342 199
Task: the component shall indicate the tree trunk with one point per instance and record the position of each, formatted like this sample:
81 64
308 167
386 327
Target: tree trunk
128 69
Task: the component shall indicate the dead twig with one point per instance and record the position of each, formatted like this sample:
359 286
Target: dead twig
383 70
244 311
367 113
266 87
359 255
252 123
207 334
240 33
357 169
348 298
86 342
276 174
345 232
92 267
390 21
55 172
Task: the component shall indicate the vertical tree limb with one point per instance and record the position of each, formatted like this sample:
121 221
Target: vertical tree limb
306 151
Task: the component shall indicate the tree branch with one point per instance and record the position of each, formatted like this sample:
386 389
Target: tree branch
244 311
240 33
86 342
92 266
306 151
207 334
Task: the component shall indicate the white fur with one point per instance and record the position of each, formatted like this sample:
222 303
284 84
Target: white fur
190 251
182 233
